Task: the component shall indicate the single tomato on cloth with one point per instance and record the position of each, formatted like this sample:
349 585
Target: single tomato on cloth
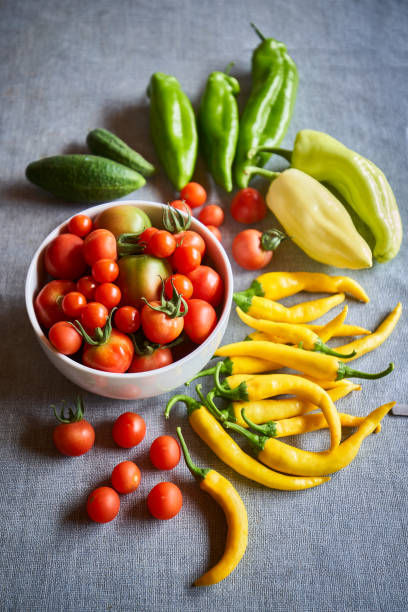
129 429
74 436
253 249
103 505
165 453
165 501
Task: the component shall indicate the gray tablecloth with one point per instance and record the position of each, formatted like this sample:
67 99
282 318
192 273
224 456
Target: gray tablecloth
68 67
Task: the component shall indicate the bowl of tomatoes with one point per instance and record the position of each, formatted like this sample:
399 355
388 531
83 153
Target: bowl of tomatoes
125 306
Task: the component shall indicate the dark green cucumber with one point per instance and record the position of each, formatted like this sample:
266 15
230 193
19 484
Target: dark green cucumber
84 178
102 142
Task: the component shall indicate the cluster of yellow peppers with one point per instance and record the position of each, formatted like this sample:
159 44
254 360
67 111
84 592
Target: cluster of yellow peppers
283 337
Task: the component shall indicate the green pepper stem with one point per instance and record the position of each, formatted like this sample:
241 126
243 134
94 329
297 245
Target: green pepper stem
255 439
228 68
344 371
222 415
261 36
196 471
265 149
267 429
242 300
190 402
321 347
239 393
250 170
226 368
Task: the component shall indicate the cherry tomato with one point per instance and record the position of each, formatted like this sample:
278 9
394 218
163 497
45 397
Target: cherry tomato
214 230
247 250
80 225
74 439
158 359
182 283
94 314
146 236
103 505
164 501
129 429
248 206
162 244
73 303
127 319
194 194
186 259
105 271
65 338
114 356
125 477
86 285
64 257
211 215
191 238
200 320
108 294
207 285
47 304
181 205
165 453
99 244
158 326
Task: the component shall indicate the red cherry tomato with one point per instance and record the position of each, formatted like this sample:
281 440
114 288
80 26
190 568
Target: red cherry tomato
103 505
93 315
182 283
181 205
108 294
73 303
191 238
164 501
65 338
158 359
186 259
129 429
127 319
158 326
194 194
211 215
200 320
114 356
64 257
162 244
47 304
165 453
247 250
74 439
214 230
80 225
125 477
105 271
86 285
207 285
145 237
248 206
99 244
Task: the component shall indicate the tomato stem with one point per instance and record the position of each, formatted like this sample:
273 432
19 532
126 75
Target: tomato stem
175 307
73 417
174 220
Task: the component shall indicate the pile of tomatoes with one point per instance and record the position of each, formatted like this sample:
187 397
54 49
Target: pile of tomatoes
122 310
75 436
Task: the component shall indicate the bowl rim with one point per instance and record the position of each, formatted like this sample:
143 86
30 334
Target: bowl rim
136 376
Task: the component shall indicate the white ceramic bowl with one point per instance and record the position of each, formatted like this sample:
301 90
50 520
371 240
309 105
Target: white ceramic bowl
128 385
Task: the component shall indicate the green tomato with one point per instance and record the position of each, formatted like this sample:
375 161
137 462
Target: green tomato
140 276
123 219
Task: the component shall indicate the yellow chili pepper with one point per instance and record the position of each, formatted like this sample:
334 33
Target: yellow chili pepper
263 308
237 519
263 386
371 342
291 333
312 422
235 380
281 456
278 285
318 365
343 330
213 434
266 410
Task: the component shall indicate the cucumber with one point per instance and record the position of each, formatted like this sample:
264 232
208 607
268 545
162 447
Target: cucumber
102 142
84 178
